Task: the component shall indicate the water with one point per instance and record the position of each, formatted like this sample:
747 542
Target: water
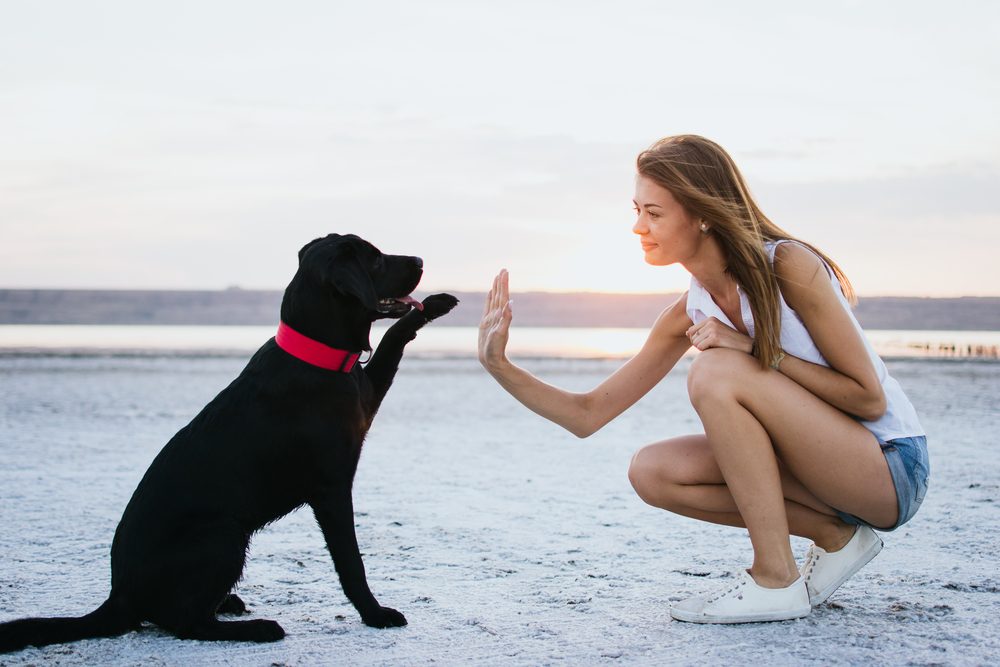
433 341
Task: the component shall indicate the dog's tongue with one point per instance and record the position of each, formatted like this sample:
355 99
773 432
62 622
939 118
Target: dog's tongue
409 300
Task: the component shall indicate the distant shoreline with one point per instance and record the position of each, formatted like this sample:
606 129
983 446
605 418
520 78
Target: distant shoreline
543 309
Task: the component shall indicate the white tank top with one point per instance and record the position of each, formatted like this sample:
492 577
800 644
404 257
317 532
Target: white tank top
900 419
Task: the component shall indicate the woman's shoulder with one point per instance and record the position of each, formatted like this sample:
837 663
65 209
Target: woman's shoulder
673 320
794 263
804 279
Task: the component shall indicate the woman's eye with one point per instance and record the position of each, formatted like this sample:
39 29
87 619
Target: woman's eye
654 215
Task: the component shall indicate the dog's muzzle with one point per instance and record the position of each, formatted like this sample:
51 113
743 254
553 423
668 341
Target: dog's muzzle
393 306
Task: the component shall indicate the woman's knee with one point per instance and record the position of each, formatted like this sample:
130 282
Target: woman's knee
652 478
638 471
715 374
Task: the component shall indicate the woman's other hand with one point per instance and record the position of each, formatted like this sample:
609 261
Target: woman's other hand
713 333
494 329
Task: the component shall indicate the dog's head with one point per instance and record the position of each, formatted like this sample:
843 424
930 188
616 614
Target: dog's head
355 269
343 284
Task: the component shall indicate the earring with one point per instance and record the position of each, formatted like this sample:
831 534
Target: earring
704 228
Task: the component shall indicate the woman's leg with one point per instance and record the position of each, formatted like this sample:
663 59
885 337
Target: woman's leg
681 475
755 417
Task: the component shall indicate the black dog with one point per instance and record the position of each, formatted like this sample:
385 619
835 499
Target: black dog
288 431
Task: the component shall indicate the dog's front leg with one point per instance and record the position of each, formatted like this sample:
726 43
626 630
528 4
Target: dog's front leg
335 515
384 363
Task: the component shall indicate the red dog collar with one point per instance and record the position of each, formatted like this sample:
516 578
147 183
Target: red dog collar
314 352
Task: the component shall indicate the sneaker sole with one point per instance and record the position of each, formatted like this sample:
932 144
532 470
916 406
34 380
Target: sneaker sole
865 558
766 617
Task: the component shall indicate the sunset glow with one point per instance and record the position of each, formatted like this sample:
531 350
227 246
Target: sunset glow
142 149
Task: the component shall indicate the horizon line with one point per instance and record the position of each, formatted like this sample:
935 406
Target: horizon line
555 292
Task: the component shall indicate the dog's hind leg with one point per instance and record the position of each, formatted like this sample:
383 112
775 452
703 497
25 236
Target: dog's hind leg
233 605
195 584
192 616
212 629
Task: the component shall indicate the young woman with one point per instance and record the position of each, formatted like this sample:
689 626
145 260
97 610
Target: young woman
805 431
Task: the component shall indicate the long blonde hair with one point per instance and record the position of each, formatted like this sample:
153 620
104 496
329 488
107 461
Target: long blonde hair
704 179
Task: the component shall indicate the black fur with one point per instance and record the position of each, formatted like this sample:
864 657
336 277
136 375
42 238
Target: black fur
283 434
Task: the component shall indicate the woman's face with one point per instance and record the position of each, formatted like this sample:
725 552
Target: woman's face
667 232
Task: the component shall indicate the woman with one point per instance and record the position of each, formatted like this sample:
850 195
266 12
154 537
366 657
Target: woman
805 431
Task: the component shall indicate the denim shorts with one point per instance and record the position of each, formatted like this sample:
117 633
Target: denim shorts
910 468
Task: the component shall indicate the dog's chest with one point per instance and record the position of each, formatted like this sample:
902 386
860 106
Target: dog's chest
347 420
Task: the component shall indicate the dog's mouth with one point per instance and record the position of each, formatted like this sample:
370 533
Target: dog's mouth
398 305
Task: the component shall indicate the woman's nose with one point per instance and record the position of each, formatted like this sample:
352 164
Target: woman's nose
639 227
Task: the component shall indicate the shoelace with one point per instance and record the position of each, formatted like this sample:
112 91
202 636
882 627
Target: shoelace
812 557
728 591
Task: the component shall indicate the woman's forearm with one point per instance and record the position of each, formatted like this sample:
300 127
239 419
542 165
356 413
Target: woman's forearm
850 382
837 389
565 408
580 413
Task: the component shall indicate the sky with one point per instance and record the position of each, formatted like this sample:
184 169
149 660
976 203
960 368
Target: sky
200 144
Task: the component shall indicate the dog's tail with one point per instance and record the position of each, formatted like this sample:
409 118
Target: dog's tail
109 620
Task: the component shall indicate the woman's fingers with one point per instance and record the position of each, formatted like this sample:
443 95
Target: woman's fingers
497 311
696 329
703 334
504 287
493 292
711 333
504 311
488 301
498 296
492 298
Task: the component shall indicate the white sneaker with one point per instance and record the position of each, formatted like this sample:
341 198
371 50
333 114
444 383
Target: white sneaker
746 602
825 571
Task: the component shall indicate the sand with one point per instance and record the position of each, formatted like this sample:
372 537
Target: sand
504 540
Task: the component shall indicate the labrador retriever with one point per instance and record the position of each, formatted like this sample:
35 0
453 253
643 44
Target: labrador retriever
286 432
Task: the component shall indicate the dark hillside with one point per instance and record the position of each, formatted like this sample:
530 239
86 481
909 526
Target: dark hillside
235 306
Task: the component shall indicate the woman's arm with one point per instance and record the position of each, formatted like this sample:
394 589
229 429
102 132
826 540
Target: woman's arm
850 383
580 413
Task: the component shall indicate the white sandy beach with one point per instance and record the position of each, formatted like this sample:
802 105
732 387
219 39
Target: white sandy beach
504 540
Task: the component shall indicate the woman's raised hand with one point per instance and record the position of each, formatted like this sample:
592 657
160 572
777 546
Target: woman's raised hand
494 329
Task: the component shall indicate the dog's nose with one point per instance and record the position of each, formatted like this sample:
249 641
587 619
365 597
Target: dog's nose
420 262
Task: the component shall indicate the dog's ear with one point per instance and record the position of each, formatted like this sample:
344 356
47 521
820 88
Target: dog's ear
346 273
302 252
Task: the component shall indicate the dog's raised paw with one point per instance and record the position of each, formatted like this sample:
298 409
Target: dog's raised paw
385 618
437 305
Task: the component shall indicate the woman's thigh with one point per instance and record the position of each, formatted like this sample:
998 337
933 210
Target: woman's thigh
836 458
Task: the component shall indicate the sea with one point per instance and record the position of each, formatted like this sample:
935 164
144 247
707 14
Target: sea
433 341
